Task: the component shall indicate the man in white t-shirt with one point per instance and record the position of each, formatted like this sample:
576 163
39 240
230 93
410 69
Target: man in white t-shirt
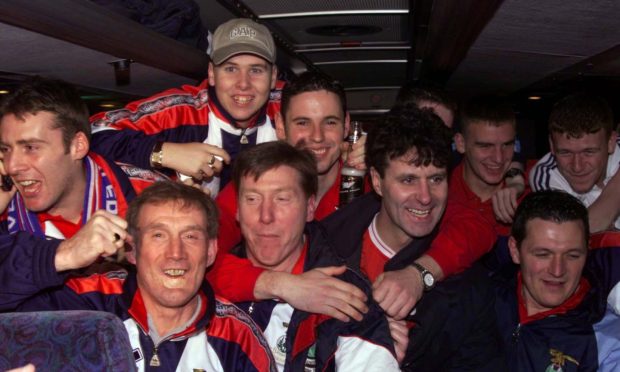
584 158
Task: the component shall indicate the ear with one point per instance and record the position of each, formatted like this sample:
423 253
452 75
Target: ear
347 125
376 181
551 147
274 75
280 130
611 145
79 146
211 74
514 250
130 255
311 208
211 251
459 141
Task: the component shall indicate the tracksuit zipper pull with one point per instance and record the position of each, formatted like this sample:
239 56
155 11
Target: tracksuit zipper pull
516 333
244 138
155 359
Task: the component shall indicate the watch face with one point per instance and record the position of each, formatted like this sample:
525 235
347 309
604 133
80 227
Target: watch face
429 280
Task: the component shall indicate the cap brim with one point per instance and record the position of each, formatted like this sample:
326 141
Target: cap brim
221 55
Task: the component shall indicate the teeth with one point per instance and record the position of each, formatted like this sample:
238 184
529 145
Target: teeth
319 151
27 183
419 212
242 100
174 272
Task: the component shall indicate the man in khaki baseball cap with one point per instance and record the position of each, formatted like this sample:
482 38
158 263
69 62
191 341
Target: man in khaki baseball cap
192 130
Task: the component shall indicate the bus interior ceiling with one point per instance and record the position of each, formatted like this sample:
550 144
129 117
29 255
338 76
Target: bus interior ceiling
530 51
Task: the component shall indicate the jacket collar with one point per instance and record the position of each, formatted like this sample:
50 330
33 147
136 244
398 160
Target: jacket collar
132 303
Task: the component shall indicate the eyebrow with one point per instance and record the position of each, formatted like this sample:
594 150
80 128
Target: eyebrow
26 141
160 225
329 117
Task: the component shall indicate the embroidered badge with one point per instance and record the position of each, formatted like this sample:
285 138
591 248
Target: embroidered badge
558 359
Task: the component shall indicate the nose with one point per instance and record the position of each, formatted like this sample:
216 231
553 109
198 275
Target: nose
266 212
424 193
244 80
557 266
176 248
498 154
317 133
13 163
577 163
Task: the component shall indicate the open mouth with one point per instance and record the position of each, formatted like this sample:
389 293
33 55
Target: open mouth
175 272
28 187
419 212
243 100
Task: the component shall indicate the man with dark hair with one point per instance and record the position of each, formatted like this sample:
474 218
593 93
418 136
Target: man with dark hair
408 159
548 301
584 158
173 320
487 143
59 184
277 187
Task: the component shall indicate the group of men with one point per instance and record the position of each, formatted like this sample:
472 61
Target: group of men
391 281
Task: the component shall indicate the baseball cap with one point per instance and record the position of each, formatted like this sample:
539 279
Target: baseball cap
242 36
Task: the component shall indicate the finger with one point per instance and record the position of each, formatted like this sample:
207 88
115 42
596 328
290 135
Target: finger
348 310
219 153
380 292
345 148
405 310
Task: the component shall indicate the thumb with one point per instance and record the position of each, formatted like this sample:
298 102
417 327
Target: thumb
332 270
377 282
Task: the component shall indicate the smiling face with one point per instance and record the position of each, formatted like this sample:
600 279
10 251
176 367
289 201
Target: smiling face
242 85
551 257
272 213
315 121
48 176
488 151
173 253
413 199
583 161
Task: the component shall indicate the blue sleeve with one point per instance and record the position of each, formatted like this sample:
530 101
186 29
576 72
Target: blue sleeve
26 268
135 147
604 266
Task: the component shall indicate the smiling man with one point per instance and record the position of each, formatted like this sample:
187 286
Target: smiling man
486 141
173 320
548 301
44 146
196 130
584 158
391 231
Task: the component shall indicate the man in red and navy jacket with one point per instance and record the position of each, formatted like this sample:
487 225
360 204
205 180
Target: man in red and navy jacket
550 297
58 183
277 185
195 130
452 326
173 320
